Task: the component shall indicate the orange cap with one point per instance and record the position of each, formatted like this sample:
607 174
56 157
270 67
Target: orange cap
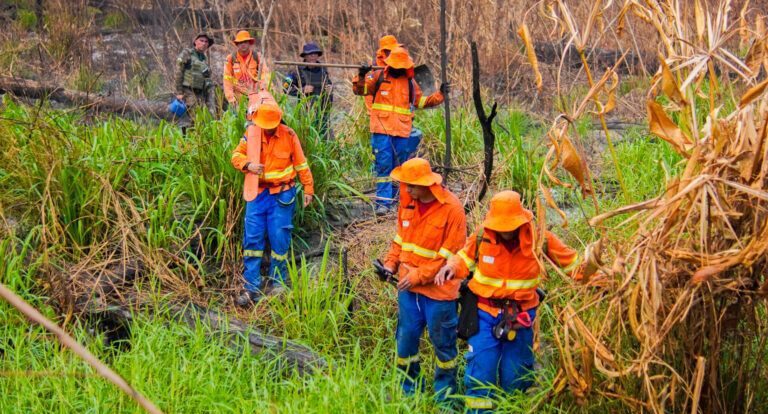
388 42
268 116
506 212
416 171
399 59
243 36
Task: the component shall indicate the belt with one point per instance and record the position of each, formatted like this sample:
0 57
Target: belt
494 303
512 306
287 184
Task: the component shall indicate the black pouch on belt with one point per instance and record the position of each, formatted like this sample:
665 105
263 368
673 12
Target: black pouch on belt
468 317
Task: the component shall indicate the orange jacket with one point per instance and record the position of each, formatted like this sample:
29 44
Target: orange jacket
282 157
391 112
425 241
502 273
379 61
242 74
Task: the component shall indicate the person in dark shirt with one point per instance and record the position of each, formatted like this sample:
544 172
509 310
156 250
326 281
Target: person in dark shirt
314 86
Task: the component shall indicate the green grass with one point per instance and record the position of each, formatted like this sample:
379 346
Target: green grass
81 190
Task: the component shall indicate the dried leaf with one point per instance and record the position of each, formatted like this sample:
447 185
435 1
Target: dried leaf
531 53
756 55
572 162
592 259
610 103
669 85
551 203
663 127
699 16
753 93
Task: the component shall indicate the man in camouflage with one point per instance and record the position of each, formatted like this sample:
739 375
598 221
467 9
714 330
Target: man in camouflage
193 77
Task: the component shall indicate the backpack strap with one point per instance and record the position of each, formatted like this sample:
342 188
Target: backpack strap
478 240
376 87
411 92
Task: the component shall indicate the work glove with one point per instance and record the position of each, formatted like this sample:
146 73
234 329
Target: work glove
363 69
445 88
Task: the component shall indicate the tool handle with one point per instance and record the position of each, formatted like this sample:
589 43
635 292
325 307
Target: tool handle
322 64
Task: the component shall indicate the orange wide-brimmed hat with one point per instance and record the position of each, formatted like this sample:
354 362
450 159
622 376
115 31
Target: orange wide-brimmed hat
243 36
506 212
416 171
268 116
399 59
388 42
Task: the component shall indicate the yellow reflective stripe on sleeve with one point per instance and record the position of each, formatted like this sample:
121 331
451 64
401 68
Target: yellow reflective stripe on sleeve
407 360
279 256
478 403
467 261
422 101
274 175
448 364
391 108
302 166
410 247
445 253
398 240
574 264
253 253
383 180
506 283
365 90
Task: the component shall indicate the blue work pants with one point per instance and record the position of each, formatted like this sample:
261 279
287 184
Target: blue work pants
389 152
415 311
268 216
497 362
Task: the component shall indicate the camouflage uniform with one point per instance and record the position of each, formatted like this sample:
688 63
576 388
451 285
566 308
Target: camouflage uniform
193 80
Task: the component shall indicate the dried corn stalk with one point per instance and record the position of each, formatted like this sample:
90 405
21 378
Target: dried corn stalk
681 328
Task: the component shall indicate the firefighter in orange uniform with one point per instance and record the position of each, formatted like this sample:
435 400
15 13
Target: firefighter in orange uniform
386 44
270 214
395 96
431 227
505 279
245 71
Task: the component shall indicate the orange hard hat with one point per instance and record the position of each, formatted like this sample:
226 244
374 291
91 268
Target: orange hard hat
399 59
506 212
268 116
243 36
416 171
388 42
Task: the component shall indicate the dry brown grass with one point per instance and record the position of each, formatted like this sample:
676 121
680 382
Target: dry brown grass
680 328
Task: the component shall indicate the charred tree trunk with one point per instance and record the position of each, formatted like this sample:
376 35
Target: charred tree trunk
112 104
486 122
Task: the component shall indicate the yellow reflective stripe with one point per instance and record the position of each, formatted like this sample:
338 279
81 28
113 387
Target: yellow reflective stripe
230 78
391 108
407 360
302 166
467 261
445 253
415 249
448 364
506 283
279 174
383 179
398 240
365 90
479 403
253 253
573 265
422 101
279 256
